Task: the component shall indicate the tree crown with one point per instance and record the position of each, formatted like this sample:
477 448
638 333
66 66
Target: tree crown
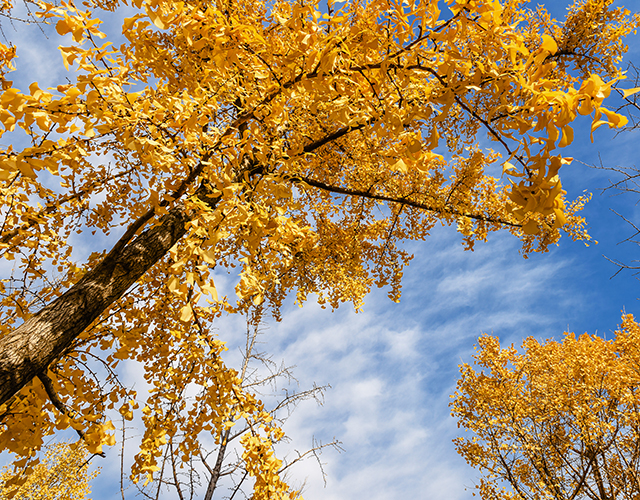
297 144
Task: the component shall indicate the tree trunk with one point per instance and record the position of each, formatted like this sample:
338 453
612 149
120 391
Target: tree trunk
29 349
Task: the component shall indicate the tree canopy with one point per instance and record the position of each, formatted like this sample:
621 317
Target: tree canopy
62 475
294 143
560 420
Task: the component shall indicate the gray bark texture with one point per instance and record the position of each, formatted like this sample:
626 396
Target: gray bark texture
43 338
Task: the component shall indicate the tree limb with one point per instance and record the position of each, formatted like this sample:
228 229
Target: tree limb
29 349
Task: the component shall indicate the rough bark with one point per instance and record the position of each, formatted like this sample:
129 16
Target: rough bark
30 348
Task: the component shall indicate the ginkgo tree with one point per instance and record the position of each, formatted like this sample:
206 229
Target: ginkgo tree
298 143
560 420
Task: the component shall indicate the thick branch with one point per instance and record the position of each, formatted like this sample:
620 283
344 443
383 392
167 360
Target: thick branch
40 340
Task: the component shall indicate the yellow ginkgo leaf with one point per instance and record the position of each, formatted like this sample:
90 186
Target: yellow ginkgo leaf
62 27
629 92
186 313
549 44
567 136
531 228
616 120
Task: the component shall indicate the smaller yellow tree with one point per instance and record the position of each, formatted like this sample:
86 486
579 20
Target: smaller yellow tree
63 474
560 420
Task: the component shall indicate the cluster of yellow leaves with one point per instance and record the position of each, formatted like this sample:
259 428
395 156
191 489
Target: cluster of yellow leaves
304 148
63 474
265 467
6 56
560 420
30 418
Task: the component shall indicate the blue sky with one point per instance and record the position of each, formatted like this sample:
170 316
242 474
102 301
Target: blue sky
393 366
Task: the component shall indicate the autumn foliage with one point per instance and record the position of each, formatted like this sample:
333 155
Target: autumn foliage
561 419
63 474
292 144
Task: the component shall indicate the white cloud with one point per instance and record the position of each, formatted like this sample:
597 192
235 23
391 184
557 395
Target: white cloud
392 367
